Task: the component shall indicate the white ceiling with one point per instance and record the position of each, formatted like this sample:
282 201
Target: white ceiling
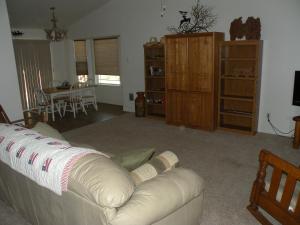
36 13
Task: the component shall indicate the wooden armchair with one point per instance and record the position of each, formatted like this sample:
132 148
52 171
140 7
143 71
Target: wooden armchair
3 116
267 198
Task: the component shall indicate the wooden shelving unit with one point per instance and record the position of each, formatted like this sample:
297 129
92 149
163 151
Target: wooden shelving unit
192 71
154 54
239 85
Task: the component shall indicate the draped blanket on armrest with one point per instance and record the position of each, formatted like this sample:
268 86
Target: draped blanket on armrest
45 160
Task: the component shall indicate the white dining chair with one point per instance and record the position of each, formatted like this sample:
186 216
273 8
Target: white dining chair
74 102
89 97
44 104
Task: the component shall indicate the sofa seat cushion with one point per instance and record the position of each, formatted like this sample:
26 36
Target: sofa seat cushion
157 198
99 179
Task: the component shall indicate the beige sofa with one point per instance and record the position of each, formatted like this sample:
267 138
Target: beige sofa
102 193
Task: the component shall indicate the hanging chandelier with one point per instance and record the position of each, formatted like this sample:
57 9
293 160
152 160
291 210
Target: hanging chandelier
55 33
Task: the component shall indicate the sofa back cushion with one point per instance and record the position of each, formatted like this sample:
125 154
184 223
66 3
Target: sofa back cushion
100 180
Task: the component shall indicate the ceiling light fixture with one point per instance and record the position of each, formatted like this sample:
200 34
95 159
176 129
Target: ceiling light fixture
55 33
163 8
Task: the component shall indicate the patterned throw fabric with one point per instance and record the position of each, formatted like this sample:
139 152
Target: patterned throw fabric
45 160
159 164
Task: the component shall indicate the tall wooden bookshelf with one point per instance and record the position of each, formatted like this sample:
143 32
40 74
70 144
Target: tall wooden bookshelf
154 54
239 85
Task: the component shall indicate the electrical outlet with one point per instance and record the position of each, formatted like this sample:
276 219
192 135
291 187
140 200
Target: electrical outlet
131 96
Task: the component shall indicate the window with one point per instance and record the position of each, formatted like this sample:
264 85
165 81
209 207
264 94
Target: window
82 78
113 80
106 53
81 61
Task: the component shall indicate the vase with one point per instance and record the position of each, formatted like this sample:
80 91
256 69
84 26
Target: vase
140 104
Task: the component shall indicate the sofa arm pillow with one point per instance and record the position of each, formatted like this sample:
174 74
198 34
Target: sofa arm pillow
159 164
160 196
99 179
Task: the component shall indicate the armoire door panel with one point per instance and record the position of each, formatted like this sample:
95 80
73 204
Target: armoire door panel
175 109
177 63
199 111
200 55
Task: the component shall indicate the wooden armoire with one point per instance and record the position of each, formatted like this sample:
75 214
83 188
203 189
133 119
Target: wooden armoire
192 67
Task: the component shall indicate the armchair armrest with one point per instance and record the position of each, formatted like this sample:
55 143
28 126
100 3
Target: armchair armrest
159 197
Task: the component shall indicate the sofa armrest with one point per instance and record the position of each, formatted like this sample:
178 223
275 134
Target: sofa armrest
159 197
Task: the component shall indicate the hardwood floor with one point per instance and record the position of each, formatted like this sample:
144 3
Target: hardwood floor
105 112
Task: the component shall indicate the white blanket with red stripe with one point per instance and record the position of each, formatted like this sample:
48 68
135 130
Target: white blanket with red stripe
45 160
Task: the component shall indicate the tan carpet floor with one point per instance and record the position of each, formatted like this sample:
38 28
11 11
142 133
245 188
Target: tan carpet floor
227 161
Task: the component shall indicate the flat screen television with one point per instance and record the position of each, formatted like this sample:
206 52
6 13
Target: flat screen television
296 95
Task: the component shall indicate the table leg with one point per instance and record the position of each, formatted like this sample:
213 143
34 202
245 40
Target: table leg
296 142
52 108
95 96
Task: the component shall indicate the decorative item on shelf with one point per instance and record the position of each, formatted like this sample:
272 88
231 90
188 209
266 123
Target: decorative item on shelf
236 29
55 33
152 41
140 104
202 19
155 71
17 33
251 29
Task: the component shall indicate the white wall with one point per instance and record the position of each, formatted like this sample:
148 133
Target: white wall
9 86
60 51
137 20
61 58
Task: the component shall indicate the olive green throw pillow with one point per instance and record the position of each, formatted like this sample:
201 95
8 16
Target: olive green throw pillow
47 130
133 159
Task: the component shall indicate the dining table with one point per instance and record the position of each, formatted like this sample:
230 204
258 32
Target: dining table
56 92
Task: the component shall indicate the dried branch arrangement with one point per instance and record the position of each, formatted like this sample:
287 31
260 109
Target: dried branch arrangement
202 19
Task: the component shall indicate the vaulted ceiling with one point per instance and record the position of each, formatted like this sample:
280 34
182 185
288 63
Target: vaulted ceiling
36 13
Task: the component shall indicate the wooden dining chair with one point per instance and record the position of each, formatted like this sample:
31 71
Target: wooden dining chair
3 116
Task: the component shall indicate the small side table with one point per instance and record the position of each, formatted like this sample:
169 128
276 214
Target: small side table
296 142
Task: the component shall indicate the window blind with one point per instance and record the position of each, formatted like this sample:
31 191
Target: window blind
106 53
81 57
33 61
